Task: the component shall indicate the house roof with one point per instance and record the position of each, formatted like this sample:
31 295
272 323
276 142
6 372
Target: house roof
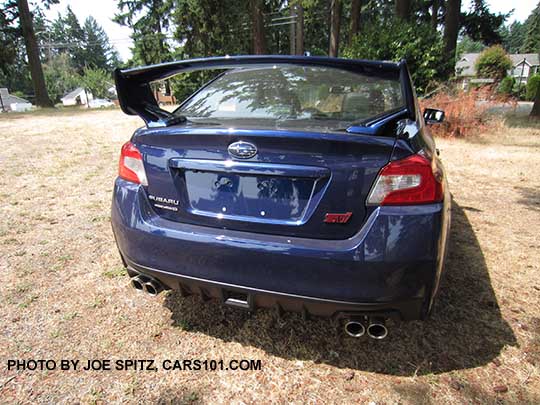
531 58
465 66
8 99
73 93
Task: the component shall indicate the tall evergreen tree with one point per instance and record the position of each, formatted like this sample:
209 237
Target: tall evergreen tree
356 9
97 49
257 24
212 27
87 45
32 51
535 112
532 37
335 24
403 9
67 37
514 36
149 20
451 28
482 25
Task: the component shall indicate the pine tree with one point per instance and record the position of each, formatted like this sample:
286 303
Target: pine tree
213 27
514 37
96 45
532 37
451 28
149 20
32 51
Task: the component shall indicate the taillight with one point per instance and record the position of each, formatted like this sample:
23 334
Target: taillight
408 181
131 166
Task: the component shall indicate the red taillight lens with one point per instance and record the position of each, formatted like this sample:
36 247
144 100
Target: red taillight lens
413 180
131 166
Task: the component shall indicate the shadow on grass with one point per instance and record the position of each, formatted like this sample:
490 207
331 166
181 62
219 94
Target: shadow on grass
530 197
466 329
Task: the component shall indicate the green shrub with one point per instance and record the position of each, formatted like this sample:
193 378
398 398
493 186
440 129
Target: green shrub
506 86
519 90
532 86
97 81
395 40
493 63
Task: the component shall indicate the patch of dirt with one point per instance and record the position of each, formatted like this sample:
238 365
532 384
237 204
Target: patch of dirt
65 296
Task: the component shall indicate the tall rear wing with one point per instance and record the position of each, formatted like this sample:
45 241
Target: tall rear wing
136 97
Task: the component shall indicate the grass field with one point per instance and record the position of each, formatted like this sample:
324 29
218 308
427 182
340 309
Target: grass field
65 295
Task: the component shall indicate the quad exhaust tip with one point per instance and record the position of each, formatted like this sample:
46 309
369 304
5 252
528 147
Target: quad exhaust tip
354 328
147 285
376 328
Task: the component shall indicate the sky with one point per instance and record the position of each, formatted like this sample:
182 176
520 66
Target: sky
104 10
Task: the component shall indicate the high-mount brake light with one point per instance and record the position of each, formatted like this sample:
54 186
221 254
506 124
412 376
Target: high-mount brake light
409 181
131 166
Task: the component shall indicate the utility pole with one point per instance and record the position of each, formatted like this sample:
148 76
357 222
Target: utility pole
521 76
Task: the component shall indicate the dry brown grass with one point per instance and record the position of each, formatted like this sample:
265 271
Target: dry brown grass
64 296
465 111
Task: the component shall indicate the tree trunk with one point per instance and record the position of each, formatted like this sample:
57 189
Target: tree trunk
32 51
435 14
257 22
356 8
535 112
299 26
335 16
403 9
451 29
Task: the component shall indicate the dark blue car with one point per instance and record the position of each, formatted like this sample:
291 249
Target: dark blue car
297 183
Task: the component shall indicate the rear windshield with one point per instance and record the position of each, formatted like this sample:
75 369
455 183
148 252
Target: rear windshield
319 95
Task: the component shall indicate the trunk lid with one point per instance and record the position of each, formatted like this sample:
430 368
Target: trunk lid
287 187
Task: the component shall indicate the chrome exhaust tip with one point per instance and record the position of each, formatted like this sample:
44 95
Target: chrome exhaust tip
137 283
354 328
377 328
152 287
146 284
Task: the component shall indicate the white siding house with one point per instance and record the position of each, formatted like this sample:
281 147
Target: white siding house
77 97
525 65
9 102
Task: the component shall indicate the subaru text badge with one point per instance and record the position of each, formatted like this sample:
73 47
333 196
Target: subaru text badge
242 150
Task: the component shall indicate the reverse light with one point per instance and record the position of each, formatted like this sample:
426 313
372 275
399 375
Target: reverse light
408 181
131 166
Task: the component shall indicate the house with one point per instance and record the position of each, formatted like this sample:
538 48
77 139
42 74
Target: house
525 65
10 102
77 97
465 66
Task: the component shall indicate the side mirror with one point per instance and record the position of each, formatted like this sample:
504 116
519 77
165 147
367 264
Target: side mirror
433 116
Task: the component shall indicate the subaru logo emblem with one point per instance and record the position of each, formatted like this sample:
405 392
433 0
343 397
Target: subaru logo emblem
242 150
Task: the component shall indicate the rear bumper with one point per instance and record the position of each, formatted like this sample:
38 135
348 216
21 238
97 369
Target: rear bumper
391 266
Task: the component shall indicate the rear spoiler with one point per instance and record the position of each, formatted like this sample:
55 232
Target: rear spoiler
136 98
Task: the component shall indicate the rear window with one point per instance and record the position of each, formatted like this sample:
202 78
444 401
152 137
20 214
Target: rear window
315 94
